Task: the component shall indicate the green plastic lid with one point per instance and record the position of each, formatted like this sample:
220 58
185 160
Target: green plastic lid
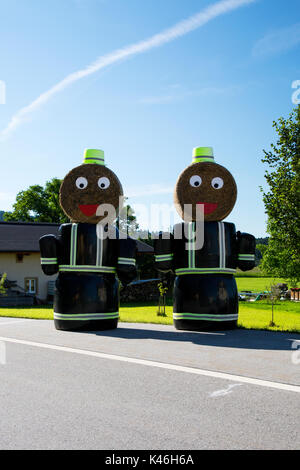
203 154
93 156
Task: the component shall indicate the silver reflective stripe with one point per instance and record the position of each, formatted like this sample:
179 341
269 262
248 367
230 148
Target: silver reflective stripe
73 244
86 316
87 268
164 257
204 316
222 246
130 261
191 245
182 271
99 253
48 260
246 257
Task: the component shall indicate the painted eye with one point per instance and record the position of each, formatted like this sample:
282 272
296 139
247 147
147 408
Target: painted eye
103 182
217 183
81 182
195 181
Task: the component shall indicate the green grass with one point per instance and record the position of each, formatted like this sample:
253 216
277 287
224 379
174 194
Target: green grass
252 315
258 315
256 284
245 278
38 312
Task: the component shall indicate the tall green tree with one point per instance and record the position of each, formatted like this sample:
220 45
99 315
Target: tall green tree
127 221
282 200
38 204
260 251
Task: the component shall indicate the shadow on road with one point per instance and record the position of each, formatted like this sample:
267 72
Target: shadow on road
239 338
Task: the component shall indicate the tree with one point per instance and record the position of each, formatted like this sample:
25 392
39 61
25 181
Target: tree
273 295
38 204
260 251
126 221
282 200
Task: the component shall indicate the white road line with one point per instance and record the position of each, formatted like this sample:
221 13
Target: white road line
160 365
225 391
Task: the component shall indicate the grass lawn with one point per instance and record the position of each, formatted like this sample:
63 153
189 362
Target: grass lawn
252 315
256 284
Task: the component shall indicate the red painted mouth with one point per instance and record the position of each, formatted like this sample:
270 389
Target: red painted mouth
88 209
209 207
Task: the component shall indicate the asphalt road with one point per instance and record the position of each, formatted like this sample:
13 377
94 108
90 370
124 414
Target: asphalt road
147 387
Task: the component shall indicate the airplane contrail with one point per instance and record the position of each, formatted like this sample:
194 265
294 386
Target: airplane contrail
168 35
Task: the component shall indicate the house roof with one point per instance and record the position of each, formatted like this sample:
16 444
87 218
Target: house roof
24 236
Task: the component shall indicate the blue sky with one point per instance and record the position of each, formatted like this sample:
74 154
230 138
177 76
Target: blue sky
221 84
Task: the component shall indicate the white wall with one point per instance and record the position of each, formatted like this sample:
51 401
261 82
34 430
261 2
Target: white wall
30 267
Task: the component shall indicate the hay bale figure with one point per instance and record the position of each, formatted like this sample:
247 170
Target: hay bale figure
205 291
89 254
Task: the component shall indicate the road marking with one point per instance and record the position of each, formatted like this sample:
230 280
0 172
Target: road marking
160 365
223 392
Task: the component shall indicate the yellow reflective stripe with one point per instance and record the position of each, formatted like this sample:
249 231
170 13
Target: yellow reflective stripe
204 271
48 260
73 244
87 268
126 260
99 252
222 245
191 245
86 316
164 257
204 316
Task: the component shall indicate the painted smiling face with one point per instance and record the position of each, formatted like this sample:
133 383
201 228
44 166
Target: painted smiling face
208 184
87 187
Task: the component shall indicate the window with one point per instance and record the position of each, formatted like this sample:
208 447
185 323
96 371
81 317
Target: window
31 285
20 257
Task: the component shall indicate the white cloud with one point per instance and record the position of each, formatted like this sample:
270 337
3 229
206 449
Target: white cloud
168 35
277 41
